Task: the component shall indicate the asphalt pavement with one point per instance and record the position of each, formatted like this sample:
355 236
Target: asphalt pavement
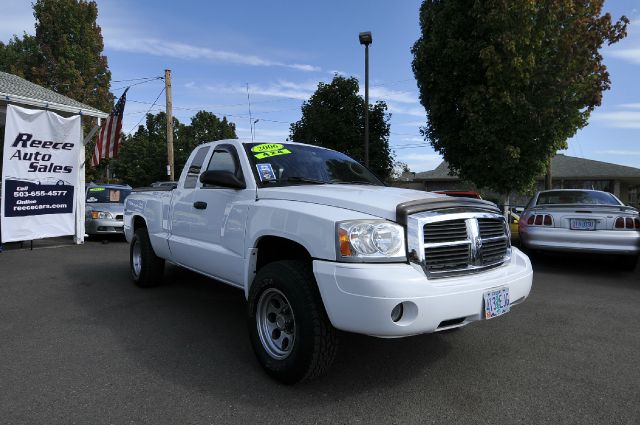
80 344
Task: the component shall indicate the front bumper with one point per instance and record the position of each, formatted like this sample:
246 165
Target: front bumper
360 297
596 241
104 227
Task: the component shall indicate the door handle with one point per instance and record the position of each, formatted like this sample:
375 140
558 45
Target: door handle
199 205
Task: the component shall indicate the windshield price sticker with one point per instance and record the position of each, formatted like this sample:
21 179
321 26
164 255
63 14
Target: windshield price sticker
265 171
272 153
96 189
267 150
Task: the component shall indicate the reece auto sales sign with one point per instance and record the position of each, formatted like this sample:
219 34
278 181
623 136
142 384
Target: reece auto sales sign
39 174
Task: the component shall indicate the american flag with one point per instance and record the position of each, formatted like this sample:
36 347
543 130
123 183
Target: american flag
110 134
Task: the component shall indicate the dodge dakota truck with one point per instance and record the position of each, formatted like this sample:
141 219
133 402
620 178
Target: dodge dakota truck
319 244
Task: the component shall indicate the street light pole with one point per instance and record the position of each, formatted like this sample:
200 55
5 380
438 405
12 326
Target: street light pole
366 39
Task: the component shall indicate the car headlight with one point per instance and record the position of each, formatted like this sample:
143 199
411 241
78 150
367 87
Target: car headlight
96 215
370 240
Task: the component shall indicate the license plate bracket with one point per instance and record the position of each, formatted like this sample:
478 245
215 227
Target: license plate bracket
582 224
496 303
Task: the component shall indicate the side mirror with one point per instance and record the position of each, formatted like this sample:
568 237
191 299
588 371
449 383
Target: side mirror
223 179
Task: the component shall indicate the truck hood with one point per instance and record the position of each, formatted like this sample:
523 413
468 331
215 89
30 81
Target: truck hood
379 201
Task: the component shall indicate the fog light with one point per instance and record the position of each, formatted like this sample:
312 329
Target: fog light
396 313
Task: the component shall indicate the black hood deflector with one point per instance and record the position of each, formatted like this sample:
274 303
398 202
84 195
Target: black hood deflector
405 209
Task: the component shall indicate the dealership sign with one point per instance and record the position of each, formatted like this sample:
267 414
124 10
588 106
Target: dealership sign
39 174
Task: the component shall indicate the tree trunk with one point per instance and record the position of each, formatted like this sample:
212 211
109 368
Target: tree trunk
548 184
547 178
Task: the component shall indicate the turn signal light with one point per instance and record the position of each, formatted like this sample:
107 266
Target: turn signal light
345 245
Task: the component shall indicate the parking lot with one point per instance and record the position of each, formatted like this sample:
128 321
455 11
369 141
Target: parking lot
80 344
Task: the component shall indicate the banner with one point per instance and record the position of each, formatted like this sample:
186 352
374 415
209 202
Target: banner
39 174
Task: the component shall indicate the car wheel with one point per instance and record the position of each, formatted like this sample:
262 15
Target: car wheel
627 262
146 267
290 332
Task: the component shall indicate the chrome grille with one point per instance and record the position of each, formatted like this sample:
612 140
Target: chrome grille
445 231
458 243
491 228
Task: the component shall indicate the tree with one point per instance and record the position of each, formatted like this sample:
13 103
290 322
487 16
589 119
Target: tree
334 118
65 55
205 127
143 156
505 83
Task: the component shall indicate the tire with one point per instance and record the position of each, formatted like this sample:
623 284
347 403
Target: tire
146 267
627 262
289 330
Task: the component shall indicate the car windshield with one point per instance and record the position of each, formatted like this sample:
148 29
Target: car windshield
106 195
583 197
292 164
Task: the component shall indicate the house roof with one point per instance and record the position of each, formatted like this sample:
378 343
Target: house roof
14 89
562 167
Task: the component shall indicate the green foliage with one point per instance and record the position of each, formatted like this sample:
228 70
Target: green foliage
143 155
505 83
334 118
65 55
205 127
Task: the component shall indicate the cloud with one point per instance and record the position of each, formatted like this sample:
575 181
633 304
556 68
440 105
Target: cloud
156 47
419 162
618 119
630 55
630 105
414 111
282 88
619 152
387 95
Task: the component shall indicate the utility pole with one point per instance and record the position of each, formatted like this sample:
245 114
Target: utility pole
169 112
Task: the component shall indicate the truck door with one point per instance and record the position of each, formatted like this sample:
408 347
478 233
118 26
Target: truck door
183 213
220 215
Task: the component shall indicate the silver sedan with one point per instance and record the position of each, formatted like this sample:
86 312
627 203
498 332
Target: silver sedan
574 220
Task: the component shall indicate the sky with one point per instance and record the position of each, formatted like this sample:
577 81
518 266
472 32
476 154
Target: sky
280 51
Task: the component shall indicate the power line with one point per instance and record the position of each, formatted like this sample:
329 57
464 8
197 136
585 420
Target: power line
137 84
154 102
136 79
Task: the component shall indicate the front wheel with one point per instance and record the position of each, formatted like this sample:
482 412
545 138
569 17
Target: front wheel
290 332
146 267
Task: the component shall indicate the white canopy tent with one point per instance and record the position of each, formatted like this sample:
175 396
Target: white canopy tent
18 91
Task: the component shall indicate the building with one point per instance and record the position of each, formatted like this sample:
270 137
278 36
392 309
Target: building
567 172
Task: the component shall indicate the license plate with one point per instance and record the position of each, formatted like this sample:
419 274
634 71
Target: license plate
496 303
582 224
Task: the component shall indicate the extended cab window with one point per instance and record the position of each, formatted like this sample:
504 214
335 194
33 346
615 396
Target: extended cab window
194 168
225 158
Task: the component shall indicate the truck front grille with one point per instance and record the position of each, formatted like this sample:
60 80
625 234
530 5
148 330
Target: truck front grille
464 245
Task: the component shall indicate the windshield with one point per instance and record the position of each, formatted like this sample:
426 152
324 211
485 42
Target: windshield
289 164
106 195
582 197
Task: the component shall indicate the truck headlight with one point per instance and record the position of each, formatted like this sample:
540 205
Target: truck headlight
370 240
96 215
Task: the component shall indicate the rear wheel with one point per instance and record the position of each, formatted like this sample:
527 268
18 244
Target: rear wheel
290 332
146 267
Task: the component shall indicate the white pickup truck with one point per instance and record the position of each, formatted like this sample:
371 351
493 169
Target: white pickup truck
318 244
